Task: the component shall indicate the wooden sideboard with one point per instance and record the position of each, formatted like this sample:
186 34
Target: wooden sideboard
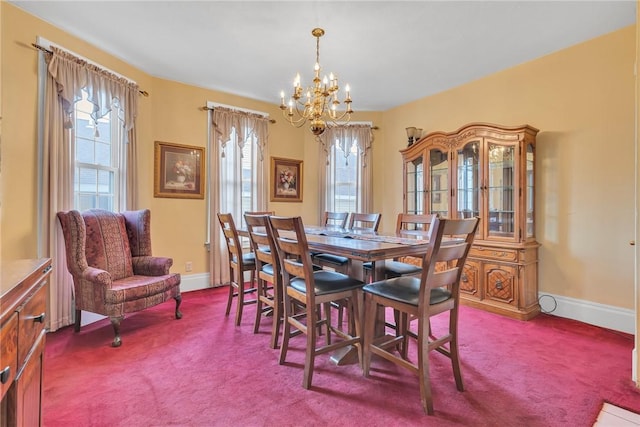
23 305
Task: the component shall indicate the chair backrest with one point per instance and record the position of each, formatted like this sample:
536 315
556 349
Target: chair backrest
138 225
262 242
414 224
232 238
110 241
75 237
260 213
335 219
364 221
293 251
107 243
449 246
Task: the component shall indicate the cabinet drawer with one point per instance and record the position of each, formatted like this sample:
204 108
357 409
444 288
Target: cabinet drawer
501 283
8 353
470 279
494 253
31 319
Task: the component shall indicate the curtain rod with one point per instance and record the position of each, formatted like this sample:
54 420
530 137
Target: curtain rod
207 108
44 49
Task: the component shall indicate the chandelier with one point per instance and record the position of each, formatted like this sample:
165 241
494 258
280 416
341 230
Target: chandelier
319 103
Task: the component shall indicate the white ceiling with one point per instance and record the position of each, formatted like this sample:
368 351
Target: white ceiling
390 52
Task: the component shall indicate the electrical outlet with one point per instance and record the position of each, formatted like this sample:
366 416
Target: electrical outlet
188 266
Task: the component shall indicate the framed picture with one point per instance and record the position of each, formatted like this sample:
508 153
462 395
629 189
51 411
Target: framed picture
286 180
178 171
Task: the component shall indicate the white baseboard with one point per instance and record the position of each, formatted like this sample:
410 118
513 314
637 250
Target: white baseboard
605 316
194 282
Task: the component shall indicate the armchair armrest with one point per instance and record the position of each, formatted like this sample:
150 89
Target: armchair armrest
151 265
97 276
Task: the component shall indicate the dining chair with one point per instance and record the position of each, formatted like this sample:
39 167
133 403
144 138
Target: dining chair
436 291
269 278
311 289
361 223
407 225
367 222
239 263
338 263
334 219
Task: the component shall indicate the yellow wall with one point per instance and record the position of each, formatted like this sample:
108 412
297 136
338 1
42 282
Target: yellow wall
172 113
580 98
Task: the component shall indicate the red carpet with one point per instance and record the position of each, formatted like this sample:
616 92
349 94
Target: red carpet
203 371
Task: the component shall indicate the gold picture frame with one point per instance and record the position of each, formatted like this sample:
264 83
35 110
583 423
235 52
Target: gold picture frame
286 180
178 171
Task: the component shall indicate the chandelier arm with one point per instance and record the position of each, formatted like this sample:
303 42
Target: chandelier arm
296 123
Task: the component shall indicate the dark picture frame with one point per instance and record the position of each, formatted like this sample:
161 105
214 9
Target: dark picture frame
178 171
286 180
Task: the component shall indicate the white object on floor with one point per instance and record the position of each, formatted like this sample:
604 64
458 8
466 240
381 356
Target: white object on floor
614 416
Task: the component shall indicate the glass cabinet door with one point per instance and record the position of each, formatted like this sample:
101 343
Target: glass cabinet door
501 197
415 186
530 180
468 180
439 174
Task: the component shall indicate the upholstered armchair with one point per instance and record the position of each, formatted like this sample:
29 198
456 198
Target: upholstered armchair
109 257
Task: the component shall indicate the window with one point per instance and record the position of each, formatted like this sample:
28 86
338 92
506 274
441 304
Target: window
239 177
98 157
346 180
344 185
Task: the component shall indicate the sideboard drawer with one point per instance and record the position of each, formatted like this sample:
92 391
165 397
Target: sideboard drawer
31 320
8 353
499 254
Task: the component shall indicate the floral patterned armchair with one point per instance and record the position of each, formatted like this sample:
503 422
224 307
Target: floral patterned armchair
109 257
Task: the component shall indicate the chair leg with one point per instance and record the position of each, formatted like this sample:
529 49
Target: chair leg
423 367
368 327
310 353
327 317
240 302
178 302
76 327
261 292
454 354
277 317
402 328
115 322
356 306
230 297
288 310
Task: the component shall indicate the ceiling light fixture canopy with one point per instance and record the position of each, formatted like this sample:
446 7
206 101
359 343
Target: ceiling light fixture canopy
320 103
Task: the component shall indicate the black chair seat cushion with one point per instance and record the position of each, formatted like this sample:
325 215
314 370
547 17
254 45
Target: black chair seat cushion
332 259
248 259
406 290
327 282
395 268
268 268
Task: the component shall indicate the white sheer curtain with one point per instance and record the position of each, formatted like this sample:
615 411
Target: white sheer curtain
231 130
65 79
344 136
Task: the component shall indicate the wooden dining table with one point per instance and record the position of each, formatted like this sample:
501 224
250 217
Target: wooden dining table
360 247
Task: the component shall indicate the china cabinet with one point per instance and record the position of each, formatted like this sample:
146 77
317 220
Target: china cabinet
487 171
